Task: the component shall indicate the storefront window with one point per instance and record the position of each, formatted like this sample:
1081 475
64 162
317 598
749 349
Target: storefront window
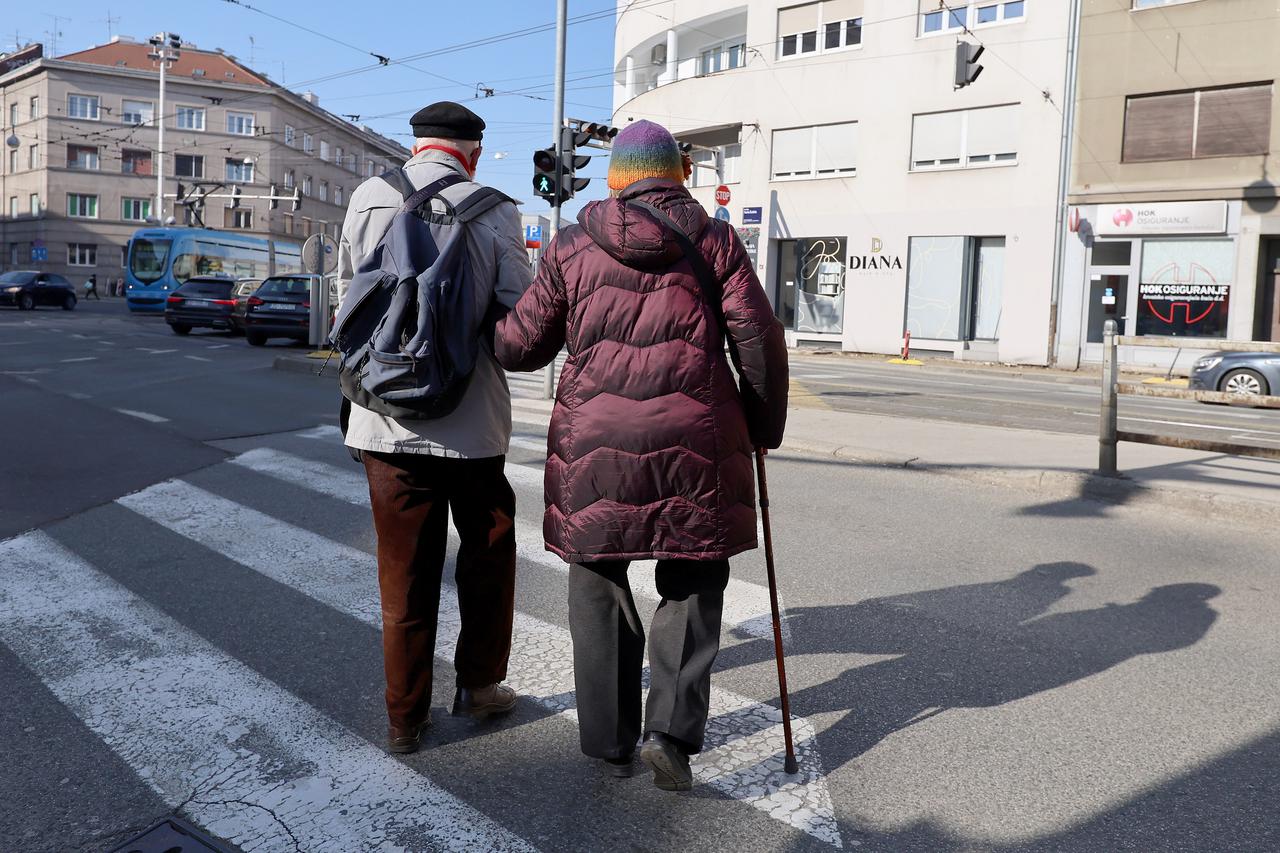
1185 287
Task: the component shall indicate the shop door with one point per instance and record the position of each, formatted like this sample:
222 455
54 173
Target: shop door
1107 297
1267 323
811 275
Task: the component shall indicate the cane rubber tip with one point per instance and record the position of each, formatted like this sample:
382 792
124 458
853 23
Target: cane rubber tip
791 765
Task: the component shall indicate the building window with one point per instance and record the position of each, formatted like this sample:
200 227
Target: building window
306 227
964 138
239 171
1185 287
137 112
368 168
82 206
324 151
135 209
286 222
288 135
15 254
308 144
819 27
994 13
135 161
241 124
35 204
338 195
936 17
289 179
13 207
188 165
724 56
306 185
13 114
82 157
1233 121
82 254
1150 4
238 217
13 160
33 157
704 165
35 106
324 190
955 287
190 118
80 106
338 159
825 151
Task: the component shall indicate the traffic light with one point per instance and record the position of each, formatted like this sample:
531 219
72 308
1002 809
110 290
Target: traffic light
275 201
967 67
544 174
182 193
554 180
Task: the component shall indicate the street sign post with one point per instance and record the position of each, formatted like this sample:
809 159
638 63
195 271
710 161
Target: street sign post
533 236
319 257
722 213
752 215
722 195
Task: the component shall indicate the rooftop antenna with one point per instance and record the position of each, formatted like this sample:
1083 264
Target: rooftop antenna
253 53
110 21
56 33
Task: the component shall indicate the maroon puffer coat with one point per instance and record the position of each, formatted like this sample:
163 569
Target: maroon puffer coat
650 446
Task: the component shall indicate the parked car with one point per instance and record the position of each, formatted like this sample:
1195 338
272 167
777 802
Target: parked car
1245 374
244 288
28 289
200 302
280 308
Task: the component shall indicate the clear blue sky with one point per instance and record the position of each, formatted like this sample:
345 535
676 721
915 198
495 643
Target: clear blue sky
384 97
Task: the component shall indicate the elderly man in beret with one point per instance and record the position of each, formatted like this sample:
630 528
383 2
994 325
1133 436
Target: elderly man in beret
421 471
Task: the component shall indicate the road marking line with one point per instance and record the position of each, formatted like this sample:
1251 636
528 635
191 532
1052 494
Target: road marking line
217 346
76 395
1257 438
197 358
529 443
818 376
321 431
746 605
745 751
154 351
195 723
146 416
81 358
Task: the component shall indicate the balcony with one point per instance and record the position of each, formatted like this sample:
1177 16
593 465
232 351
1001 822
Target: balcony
708 45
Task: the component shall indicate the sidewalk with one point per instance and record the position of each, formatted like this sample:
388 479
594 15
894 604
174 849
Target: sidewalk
1059 467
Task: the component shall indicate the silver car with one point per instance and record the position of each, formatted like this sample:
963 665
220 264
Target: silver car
1245 374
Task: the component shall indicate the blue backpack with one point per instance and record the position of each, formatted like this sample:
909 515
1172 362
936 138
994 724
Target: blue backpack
406 332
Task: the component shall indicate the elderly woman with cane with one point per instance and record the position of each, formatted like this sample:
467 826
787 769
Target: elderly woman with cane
651 441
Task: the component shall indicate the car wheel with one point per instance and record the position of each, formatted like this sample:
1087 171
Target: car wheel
26 301
255 339
1244 383
181 329
69 303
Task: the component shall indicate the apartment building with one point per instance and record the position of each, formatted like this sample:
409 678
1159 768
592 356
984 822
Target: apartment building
80 153
1174 178
875 197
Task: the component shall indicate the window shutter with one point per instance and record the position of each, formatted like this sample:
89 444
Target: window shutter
793 151
841 10
1235 121
993 130
935 136
798 19
1158 127
837 147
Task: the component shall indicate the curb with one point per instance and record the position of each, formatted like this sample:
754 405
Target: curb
1062 485
302 364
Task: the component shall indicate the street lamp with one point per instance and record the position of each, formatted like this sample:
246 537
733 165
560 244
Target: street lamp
11 141
164 49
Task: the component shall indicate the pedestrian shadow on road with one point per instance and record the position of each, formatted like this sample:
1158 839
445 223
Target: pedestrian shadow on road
971 646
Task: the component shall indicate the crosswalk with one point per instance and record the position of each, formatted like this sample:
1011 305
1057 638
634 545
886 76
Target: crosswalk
254 763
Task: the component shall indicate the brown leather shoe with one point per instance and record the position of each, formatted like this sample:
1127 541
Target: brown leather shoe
483 702
402 740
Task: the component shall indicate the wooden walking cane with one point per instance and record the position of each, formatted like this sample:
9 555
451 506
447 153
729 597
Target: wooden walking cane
790 765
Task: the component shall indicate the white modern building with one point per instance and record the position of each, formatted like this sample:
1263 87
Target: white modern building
877 197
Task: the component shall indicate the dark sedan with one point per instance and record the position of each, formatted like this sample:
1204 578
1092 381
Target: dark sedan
201 302
280 308
28 289
1244 374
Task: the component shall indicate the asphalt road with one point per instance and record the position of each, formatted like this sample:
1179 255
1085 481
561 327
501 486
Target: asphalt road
1049 400
188 620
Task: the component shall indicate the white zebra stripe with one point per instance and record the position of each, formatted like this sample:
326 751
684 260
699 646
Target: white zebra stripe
744 753
244 758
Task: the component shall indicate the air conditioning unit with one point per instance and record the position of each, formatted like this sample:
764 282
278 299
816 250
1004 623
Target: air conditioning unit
658 56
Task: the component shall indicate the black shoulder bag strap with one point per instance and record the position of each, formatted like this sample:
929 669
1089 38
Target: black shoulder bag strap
701 269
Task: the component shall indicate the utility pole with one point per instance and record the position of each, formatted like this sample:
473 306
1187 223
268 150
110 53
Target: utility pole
1064 181
164 49
557 130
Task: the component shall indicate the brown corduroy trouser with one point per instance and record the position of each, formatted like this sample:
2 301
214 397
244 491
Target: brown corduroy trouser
413 496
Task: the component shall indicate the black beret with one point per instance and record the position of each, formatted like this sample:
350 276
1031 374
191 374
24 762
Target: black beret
447 120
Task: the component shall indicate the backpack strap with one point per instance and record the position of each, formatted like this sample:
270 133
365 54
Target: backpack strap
701 269
479 203
399 182
430 191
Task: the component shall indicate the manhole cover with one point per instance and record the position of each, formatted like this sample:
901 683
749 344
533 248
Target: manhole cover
173 835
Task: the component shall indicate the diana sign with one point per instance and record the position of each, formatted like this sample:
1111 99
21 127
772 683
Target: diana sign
876 260
1181 217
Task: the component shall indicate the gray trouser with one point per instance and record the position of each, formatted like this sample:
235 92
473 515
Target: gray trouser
608 652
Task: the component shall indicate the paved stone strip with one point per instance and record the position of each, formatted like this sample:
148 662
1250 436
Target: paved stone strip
242 757
743 760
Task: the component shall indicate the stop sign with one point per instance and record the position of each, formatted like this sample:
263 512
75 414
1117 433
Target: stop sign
722 195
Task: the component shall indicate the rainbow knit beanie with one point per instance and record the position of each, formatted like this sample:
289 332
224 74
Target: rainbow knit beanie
643 150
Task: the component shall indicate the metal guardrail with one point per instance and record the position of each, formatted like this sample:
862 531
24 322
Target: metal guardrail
1109 434
1197 344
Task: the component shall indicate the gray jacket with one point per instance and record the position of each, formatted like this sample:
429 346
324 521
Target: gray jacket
481 425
